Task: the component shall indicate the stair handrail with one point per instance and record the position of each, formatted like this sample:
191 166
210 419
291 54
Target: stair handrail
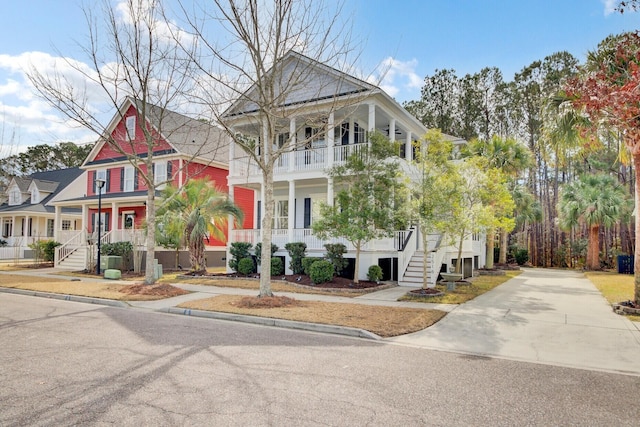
404 255
63 251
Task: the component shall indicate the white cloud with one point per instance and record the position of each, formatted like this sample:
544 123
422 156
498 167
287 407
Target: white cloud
398 77
609 6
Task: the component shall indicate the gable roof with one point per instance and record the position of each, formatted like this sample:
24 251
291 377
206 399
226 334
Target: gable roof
53 181
187 136
306 80
22 183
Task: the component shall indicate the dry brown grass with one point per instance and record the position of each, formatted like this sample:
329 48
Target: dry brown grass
614 287
61 286
383 321
254 284
463 293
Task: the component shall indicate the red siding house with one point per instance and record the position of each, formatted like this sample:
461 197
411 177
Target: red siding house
184 149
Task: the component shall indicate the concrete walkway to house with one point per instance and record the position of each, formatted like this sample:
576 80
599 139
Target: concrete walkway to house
545 316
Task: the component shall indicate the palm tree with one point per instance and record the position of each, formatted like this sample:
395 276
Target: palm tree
203 210
592 201
511 158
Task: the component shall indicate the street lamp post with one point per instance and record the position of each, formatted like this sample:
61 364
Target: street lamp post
99 184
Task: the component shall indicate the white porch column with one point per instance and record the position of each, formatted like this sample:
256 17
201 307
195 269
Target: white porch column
14 226
57 222
230 219
392 130
371 125
352 131
330 139
25 232
330 191
292 218
181 171
84 225
114 218
408 150
292 143
232 155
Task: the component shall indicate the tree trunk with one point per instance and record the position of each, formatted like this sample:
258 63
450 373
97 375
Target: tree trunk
357 263
459 263
491 243
425 257
504 242
149 273
636 260
267 224
593 250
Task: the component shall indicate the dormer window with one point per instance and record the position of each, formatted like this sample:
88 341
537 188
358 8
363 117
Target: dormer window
15 197
35 196
130 124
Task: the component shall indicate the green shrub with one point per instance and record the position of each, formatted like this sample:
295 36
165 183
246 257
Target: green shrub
44 250
375 273
239 251
116 249
521 256
258 251
321 272
246 266
297 252
334 255
277 267
307 263
3 243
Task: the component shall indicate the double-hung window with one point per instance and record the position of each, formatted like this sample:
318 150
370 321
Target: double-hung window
130 124
160 173
128 179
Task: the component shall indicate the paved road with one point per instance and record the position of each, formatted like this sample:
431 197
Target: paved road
545 316
66 363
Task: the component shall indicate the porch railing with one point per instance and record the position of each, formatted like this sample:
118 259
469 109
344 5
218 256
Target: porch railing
74 241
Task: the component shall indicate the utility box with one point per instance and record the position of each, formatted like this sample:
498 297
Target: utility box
625 264
110 262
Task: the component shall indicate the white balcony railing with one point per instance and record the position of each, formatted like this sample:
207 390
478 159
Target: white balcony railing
303 160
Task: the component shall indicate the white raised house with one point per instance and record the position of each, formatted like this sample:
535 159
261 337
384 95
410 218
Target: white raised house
28 215
325 116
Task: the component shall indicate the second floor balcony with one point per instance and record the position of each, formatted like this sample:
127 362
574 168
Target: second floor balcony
311 159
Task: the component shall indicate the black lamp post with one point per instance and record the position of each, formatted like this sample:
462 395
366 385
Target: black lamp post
99 184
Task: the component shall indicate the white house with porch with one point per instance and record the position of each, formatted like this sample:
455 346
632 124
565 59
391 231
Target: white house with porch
28 215
324 119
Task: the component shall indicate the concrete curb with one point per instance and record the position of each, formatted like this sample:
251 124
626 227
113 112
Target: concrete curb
280 323
266 321
65 297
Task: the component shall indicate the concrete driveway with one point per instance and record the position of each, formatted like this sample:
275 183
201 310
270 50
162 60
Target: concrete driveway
545 316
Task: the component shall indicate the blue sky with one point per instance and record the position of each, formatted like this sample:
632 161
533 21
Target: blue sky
413 37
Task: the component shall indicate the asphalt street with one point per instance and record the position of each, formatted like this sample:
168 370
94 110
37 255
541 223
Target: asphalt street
68 363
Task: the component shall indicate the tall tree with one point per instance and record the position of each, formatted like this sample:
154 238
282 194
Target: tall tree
129 54
511 158
365 208
607 90
437 105
203 212
430 196
593 201
242 44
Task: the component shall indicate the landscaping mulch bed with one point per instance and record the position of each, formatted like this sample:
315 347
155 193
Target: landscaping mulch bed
162 290
429 292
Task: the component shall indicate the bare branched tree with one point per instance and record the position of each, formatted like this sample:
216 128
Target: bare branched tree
131 52
244 50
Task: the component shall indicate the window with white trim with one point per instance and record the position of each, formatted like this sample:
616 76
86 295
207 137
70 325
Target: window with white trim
159 172
102 174
281 214
128 179
35 196
130 124
15 197
66 224
49 228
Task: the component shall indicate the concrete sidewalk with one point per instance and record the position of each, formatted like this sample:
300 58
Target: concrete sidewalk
545 316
